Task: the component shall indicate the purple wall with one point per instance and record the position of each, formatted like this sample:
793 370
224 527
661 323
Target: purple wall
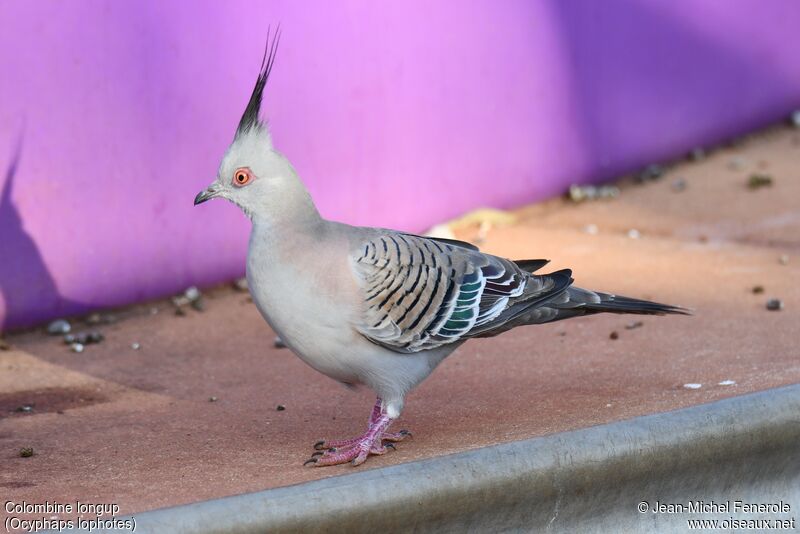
395 113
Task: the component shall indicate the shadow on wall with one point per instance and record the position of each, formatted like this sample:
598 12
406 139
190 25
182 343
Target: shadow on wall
26 285
643 67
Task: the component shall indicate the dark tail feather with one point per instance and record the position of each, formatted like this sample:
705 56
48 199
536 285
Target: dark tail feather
618 304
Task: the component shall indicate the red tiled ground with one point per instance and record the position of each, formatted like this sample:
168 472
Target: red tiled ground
136 428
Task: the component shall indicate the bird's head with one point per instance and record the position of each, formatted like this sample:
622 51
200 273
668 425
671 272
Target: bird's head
253 175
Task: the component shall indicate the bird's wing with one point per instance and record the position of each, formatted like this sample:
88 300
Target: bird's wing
419 293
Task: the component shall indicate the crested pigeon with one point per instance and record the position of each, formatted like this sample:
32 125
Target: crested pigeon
374 306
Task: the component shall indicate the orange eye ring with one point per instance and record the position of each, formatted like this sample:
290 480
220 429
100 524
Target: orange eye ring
241 177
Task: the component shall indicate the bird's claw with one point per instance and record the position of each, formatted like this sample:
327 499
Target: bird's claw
356 453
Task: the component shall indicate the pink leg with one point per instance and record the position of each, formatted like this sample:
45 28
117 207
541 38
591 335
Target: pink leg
357 450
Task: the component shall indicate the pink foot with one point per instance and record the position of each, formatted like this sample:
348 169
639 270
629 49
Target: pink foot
345 443
357 450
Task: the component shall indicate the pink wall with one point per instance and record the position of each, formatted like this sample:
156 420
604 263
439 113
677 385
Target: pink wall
395 113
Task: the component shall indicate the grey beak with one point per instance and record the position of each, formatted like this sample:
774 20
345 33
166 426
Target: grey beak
206 194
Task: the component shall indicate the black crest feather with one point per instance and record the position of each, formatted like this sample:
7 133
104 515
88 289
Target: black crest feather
250 116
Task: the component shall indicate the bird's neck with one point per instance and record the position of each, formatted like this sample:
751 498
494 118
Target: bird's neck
293 212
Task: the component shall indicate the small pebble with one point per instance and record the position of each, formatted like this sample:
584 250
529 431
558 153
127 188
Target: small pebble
757 290
697 154
4 345
279 344
635 324
199 304
579 193
212 399
591 229
774 304
280 407
69 339
153 311
81 338
678 185
737 163
76 347
58 327
240 284
26 452
96 337
727 383
633 233
136 346
693 386
192 293
613 335
180 312
650 173
97 318
25 409
180 301
796 119
784 259
757 181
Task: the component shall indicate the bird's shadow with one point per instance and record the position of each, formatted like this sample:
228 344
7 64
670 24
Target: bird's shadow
28 291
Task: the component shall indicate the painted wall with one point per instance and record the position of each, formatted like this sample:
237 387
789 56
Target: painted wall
114 114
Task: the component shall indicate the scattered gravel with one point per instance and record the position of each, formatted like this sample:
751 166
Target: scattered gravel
591 229
240 284
727 383
757 290
212 399
77 347
280 408
774 304
27 408
633 233
58 327
613 335
784 259
278 343
26 452
136 346
692 386
4 345
633 325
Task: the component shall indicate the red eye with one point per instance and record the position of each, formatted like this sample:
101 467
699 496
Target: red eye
241 177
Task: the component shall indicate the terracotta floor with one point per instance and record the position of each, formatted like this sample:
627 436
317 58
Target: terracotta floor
136 428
